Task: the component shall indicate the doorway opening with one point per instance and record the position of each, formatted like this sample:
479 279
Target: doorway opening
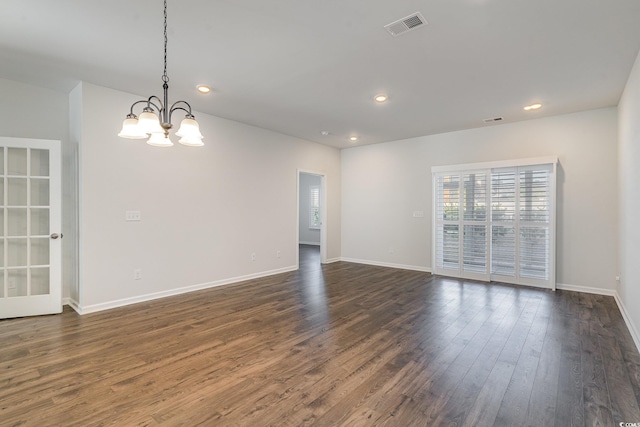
311 233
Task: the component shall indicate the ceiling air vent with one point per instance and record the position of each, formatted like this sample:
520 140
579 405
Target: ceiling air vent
493 119
406 24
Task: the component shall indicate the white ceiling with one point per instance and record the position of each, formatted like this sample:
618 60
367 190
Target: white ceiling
300 67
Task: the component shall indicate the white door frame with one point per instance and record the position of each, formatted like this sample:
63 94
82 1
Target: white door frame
323 214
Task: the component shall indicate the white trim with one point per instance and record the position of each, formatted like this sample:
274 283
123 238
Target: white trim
73 304
388 264
585 289
627 320
310 243
157 295
332 260
497 164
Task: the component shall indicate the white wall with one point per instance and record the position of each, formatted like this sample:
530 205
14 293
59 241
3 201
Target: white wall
383 184
28 111
629 194
310 236
204 210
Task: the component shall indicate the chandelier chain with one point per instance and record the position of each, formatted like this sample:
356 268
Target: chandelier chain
165 78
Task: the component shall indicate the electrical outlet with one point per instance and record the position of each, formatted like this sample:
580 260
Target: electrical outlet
137 274
277 254
391 250
253 256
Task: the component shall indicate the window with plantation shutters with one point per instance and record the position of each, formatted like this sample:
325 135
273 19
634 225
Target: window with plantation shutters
314 206
503 220
534 223
462 224
496 223
474 221
448 227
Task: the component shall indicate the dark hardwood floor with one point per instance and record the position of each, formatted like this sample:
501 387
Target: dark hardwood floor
334 345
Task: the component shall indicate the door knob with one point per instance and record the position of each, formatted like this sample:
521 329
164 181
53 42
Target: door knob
56 235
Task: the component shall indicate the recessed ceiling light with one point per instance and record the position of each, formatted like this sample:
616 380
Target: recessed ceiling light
324 132
535 106
381 98
203 89
353 138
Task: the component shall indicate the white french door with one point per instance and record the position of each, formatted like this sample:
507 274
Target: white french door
496 223
30 224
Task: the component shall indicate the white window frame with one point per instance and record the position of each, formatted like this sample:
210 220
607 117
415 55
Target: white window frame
488 168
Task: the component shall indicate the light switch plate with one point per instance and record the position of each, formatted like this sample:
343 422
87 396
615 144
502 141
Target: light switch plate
133 216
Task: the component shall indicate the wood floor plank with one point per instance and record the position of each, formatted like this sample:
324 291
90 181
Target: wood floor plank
514 406
542 403
596 392
624 404
335 345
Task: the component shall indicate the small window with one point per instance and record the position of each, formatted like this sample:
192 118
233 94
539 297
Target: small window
314 206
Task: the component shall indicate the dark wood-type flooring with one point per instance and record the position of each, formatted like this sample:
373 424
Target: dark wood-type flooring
338 345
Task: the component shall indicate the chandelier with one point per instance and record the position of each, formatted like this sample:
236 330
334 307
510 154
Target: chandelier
154 122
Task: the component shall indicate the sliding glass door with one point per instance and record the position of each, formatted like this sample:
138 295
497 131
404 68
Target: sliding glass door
496 223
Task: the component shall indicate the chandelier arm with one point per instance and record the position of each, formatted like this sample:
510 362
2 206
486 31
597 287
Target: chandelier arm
176 106
145 101
159 108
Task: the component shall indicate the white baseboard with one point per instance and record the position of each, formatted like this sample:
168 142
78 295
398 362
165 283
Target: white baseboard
73 304
586 289
310 243
156 295
625 315
388 264
332 260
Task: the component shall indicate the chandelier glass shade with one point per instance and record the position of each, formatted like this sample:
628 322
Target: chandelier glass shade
154 122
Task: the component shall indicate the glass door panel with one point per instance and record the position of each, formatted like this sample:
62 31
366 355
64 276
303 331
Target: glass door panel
40 281
17 161
39 192
39 221
39 163
16 221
